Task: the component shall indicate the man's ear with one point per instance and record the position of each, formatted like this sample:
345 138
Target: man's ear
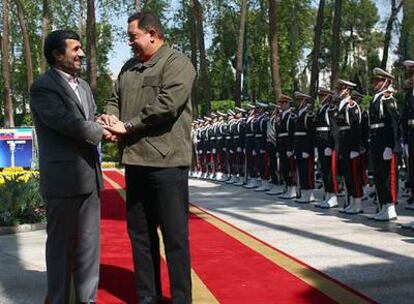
57 55
153 33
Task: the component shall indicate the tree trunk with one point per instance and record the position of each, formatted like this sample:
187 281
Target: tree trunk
293 36
81 18
7 101
314 81
276 82
26 45
45 24
240 47
91 46
138 5
407 35
193 43
203 59
393 17
336 28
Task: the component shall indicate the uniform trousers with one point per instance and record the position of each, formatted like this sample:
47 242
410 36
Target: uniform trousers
329 170
352 174
273 163
385 177
158 198
306 171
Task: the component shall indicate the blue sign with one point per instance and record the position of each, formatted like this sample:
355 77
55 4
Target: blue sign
16 147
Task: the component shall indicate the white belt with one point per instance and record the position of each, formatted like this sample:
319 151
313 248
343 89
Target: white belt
300 133
282 134
212 138
258 135
220 137
377 125
236 136
411 122
249 135
323 129
228 137
343 128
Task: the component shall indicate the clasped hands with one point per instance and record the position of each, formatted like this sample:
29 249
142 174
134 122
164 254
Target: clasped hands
114 129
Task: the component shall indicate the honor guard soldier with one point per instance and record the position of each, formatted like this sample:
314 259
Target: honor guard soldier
200 148
261 147
194 141
385 144
221 133
213 142
272 151
239 142
230 147
285 131
208 147
348 120
304 147
250 149
326 143
408 130
357 97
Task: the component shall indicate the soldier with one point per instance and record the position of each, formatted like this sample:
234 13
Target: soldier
262 157
250 151
348 120
239 143
207 134
385 136
200 148
272 150
221 133
230 147
194 158
304 147
408 129
213 134
285 131
326 142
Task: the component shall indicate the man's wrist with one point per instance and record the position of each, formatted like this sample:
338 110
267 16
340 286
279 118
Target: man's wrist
128 126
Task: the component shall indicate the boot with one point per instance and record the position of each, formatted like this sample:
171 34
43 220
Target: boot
379 213
389 214
252 183
356 208
331 202
264 187
290 193
304 197
349 207
275 190
232 180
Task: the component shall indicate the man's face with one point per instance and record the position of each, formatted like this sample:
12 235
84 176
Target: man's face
378 84
71 61
409 83
284 105
139 41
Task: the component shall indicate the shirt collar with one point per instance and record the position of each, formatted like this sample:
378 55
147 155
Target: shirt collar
68 77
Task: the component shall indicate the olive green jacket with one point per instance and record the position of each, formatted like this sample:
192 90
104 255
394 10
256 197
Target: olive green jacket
155 97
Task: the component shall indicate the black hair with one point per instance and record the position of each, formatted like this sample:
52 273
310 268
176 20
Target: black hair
148 21
56 40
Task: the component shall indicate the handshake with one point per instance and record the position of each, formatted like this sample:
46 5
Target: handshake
113 128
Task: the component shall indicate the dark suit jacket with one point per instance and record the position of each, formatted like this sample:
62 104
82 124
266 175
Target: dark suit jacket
67 136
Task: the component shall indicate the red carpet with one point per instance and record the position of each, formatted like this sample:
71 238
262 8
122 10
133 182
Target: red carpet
231 271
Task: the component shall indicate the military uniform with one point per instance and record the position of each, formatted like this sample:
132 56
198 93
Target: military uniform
262 157
250 149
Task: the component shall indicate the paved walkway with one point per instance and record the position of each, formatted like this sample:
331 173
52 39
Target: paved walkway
376 259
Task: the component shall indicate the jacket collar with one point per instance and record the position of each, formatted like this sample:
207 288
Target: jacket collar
154 59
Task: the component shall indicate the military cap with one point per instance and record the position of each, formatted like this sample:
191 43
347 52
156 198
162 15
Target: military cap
206 118
300 95
214 115
200 120
283 97
273 106
381 74
409 64
231 112
262 105
240 110
221 114
346 83
251 106
325 91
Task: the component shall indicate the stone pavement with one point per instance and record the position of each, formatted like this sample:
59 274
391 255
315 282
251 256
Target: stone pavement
376 259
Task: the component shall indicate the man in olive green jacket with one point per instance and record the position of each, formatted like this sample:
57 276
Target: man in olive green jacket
151 112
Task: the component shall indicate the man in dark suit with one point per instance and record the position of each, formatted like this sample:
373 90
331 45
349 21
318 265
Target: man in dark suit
151 99
63 111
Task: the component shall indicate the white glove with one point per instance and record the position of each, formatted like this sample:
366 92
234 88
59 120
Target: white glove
289 153
305 155
387 155
239 149
327 152
406 150
277 154
353 154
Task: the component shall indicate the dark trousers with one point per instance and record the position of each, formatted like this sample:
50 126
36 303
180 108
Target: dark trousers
385 177
352 174
73 247
306 171
158 197
288 168
329 170
273 163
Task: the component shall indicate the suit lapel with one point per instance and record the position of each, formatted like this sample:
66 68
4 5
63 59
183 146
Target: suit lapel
85 100
66 89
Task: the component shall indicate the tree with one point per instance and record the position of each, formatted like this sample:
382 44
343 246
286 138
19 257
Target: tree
138 5
91 45
393 17
313 88
336 28
7 101
276 82
240 48
45 25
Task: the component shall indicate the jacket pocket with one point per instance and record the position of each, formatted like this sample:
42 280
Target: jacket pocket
162 144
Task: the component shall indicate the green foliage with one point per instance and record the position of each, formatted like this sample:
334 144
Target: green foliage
217 105
20 201
109 151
